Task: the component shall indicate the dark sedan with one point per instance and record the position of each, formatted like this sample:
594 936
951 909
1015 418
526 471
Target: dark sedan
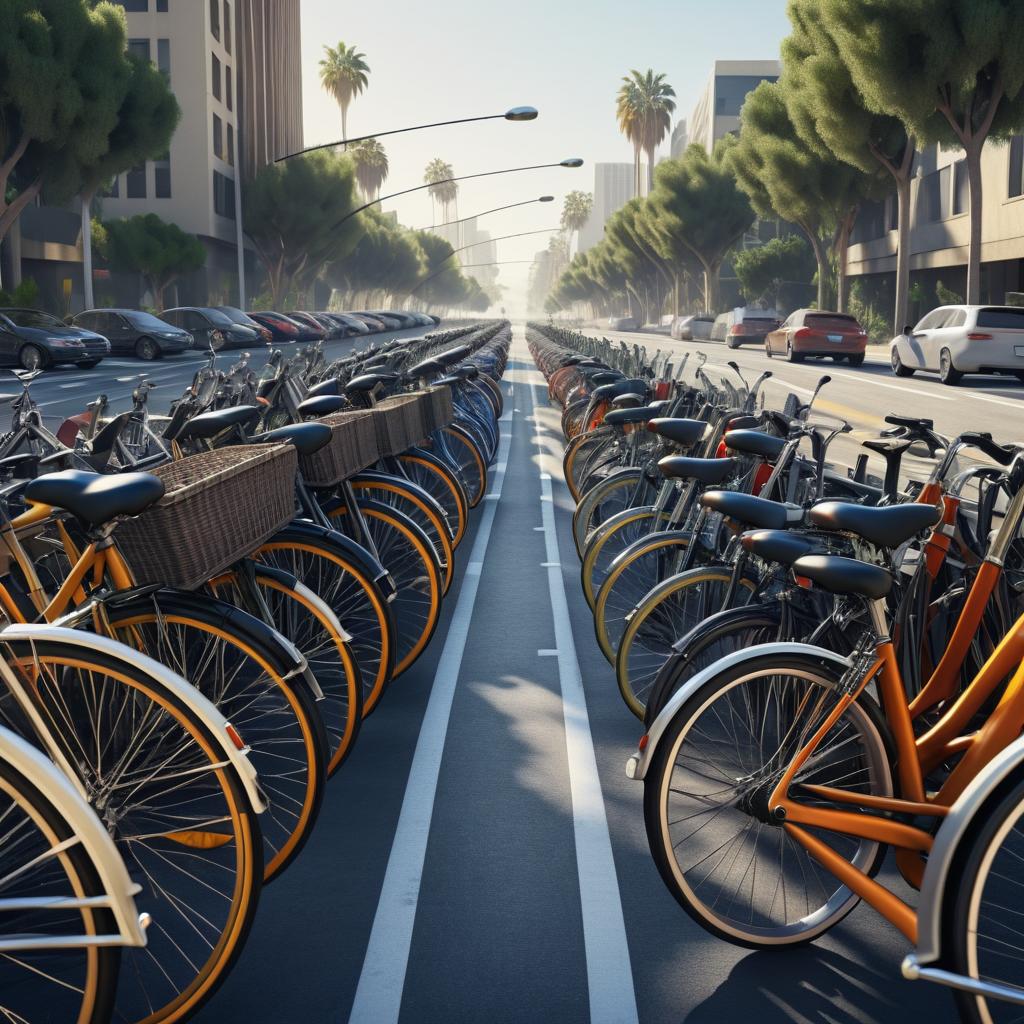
314 331
134 333
282 328
32 339
238 316
211 328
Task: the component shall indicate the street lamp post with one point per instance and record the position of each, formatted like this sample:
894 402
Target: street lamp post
513 114
573 161
497 209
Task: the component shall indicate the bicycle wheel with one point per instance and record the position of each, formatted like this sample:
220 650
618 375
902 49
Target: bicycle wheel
408 555
578 454
427 470
981 913
177 812
462 453
217 648
632 575
606 543
624 489
730 864
299 615
407 498
668 612
39 861
343 575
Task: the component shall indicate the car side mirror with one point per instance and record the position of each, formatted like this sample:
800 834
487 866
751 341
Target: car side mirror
907 329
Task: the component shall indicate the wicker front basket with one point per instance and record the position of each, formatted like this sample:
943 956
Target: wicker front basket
353 447
218 507
400 422
438 409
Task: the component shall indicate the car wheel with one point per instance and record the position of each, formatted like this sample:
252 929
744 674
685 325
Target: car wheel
767 350
732 343
147 348
948 373
31 357
856 360
898 366
793 357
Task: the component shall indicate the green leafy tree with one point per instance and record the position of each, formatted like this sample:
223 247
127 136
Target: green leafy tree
146 119
576 211
370 160
698 206
386 262
63 74
763 271
159 251
344 73
438 175
786 177
961 59
644 107
297 215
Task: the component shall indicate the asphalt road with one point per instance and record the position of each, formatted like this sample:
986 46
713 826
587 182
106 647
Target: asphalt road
862 396
482 855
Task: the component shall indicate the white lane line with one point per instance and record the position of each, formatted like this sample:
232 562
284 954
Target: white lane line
609 974
872 381
1019 406
378 997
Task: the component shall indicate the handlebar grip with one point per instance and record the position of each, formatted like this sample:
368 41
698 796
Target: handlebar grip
910 422
984 443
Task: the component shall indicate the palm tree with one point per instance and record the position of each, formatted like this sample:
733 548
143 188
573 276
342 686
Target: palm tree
576 212
442 190
645 106
343 74
371 166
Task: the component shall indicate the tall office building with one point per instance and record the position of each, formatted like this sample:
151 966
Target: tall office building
613 188
717 112
680 139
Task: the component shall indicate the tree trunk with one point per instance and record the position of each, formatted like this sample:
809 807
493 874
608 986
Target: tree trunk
711 286
87 250
344 124
12 211
157 288
902 251
650 170
842 246
973 157
821 258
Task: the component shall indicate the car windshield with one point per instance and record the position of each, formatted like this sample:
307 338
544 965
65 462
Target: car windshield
217 317
835 322
147 321
1009 318
32 318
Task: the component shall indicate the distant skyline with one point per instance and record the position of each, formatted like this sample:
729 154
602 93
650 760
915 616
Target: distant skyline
461 58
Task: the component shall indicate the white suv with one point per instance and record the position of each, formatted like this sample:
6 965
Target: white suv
955 340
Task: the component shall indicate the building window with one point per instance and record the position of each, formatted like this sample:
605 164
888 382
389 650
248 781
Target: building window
218 140
961 190
870 223
893 213
933 197
223 195
163 56
135 183
731 91
1016 185
113 190
216 77
135 6
231 145
139 48
228 88
161 6
215 18
162 177
227 26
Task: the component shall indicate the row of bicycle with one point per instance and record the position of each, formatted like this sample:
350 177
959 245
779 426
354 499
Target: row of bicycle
199 611
829 665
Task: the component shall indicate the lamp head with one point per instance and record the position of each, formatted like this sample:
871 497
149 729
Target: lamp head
546 199
573 161
521 114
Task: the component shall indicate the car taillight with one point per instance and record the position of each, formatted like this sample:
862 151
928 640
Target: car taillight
737 329
804 332
978 336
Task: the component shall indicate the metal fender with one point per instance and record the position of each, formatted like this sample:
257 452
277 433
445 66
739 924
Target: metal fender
954 827
204 710
638 763
113 875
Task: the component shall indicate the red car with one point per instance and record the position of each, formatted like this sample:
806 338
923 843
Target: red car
314 329
815 333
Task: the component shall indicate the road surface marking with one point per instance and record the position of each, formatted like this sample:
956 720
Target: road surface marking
894 387
609 973
378 997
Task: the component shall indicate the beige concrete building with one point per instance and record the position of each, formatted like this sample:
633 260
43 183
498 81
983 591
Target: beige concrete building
717 112
940 228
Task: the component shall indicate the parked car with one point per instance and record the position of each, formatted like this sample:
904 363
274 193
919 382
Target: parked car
956 340
210 327
313 331
741 326
406 320
132 332
622 323
372 322
238 316
696 327
354 324
390 322
436 319
282 328
329 327
816 333
424 320
32 339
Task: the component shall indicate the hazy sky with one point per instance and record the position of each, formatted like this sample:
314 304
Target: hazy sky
439 60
